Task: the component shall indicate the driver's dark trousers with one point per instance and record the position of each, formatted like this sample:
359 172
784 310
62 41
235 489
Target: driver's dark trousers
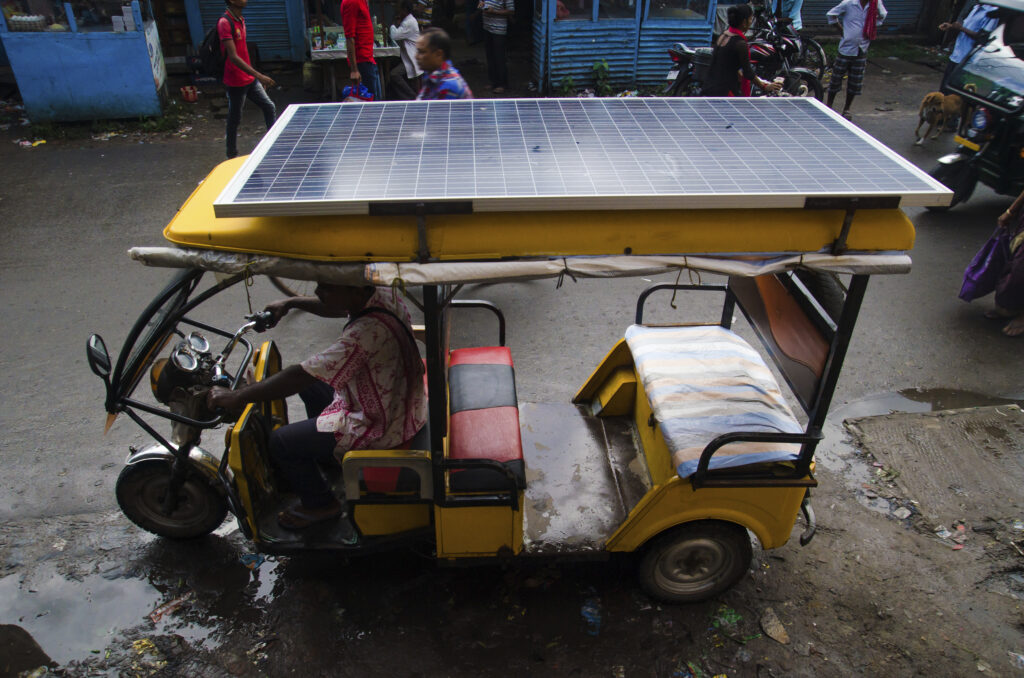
298 449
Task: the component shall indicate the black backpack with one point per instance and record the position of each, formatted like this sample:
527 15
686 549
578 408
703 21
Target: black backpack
211 56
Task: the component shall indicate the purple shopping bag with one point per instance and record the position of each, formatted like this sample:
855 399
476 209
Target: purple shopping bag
986 267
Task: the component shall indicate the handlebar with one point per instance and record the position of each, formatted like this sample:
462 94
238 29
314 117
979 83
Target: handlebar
260 321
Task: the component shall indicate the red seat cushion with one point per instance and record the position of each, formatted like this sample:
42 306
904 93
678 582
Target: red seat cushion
483 355
492 433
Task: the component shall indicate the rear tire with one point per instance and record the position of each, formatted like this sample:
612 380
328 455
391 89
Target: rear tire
827 290
812 57
140 492
695 561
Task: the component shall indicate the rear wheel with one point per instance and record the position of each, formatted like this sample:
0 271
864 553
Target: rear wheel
293 288
958 177
141 489
695 561
812 57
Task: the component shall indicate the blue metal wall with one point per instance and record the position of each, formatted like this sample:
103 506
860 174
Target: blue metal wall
656 36
576 45
901 18
540 50
277 27
82 76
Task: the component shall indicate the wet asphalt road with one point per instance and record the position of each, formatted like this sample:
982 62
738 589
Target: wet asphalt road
68 214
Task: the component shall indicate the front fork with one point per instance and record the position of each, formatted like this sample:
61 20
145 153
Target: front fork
179 473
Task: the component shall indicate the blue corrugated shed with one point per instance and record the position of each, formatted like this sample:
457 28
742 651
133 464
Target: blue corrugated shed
636 49
540 49
901 18
656 36
276 27
574 52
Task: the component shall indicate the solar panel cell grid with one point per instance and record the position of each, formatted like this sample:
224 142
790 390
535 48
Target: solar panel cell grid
565 154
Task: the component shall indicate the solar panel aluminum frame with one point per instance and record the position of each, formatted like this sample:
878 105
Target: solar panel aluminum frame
228 204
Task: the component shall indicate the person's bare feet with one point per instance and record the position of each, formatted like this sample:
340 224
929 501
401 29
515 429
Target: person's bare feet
1015 327
998 313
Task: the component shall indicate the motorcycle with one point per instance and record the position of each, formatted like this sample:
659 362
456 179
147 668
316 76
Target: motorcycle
689 70
774 54
809 52
990 138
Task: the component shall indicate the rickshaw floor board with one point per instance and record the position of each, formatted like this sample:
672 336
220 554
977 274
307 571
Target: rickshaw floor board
583 477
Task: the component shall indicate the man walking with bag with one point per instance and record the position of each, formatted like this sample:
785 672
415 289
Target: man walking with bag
241 80
358 27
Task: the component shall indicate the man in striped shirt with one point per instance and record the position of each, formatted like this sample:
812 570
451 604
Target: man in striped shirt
440 79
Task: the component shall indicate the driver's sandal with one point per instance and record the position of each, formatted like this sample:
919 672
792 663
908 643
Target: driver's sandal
299 517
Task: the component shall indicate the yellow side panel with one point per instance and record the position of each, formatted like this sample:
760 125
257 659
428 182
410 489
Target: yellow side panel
377 519
768 512
617 395
618 357
478 531
492 235
659 461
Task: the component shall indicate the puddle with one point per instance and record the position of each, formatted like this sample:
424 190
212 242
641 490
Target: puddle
70 619
837 454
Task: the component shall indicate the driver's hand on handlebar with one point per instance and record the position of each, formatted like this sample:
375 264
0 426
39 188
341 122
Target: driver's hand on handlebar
277 310
219 397
772 86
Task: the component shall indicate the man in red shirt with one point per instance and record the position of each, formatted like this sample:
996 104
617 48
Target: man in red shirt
355 20
241 80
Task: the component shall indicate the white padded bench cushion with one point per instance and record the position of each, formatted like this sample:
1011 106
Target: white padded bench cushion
705 381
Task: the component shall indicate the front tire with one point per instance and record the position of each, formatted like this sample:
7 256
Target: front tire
804 85
696 561
958 177
141 489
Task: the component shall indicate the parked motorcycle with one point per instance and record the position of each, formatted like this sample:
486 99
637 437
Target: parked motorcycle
775 52
689 71
809 53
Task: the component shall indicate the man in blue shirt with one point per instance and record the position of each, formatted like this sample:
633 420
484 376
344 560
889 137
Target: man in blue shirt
978 23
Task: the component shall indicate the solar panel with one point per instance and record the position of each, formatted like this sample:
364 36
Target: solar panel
566 154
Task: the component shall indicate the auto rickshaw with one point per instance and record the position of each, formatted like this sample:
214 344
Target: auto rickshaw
990 137
680 443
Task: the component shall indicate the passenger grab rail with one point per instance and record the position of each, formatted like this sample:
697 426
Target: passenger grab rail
727 308
701 478
488 306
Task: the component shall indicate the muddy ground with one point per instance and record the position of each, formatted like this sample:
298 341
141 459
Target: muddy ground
875 593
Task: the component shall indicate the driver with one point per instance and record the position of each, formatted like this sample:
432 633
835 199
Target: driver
364 391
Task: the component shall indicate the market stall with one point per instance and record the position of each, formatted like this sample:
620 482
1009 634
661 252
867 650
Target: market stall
83 60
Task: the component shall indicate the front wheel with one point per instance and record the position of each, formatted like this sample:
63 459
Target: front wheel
696 561
141 489
958 177
804 85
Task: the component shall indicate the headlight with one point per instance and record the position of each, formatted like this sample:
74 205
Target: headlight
981 119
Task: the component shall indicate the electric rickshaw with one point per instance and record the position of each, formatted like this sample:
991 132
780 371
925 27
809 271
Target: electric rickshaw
990 138
678 445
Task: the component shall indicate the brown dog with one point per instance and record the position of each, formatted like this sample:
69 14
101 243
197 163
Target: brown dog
936 109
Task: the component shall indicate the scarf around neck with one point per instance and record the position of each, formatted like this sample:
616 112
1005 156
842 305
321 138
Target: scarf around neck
871 21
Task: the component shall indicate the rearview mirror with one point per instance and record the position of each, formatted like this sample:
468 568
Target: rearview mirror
99 358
